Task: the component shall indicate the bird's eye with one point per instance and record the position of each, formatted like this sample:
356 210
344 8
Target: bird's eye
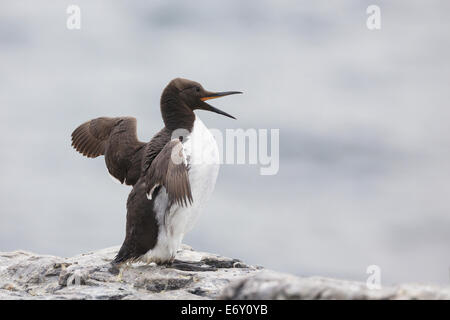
197 89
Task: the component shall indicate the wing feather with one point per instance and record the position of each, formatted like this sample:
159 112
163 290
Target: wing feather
116 139
169 169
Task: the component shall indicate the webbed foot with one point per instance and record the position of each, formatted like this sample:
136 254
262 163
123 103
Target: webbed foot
190 266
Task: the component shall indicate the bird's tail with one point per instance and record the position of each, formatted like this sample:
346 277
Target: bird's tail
124 255
118 261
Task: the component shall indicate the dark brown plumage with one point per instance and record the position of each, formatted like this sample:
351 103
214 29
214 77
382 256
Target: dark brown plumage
116 139
149 167
168 169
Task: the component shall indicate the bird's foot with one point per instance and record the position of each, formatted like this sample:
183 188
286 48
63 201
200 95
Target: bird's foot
189 266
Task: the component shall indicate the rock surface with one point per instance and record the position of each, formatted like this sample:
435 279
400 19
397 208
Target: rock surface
25 275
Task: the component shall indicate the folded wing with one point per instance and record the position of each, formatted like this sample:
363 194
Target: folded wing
170 170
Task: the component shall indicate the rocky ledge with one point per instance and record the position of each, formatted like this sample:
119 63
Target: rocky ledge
25 275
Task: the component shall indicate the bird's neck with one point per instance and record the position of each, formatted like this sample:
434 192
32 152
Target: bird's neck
175 113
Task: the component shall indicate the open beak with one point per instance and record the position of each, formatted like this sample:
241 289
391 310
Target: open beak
215 95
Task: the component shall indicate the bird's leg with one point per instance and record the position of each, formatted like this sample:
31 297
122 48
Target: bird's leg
164 263
190 266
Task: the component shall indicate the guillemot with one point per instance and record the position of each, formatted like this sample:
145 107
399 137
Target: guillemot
172 176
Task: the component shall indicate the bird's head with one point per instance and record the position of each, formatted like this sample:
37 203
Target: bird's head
193 95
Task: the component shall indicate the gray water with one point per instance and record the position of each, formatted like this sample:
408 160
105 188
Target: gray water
363 116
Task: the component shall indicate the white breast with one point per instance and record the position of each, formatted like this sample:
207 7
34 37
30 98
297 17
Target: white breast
202 156
203 159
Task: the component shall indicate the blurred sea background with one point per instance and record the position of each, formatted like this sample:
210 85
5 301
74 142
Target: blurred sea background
363 116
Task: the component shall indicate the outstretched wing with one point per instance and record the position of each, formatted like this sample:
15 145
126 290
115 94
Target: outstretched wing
170 170
116 139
